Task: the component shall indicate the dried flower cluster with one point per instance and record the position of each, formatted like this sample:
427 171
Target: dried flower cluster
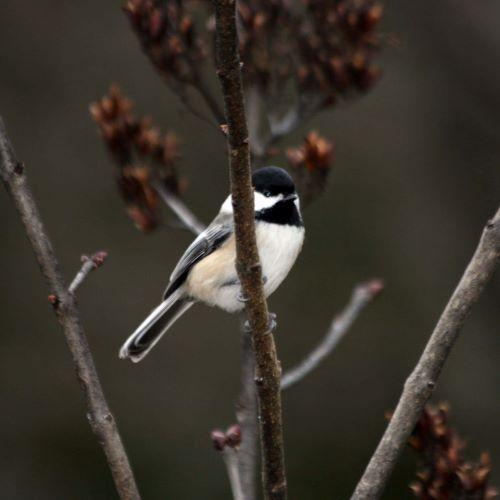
311 165
326 49
315 52
444 473
140 153
171 40
267 29
338 45
297 57
168 36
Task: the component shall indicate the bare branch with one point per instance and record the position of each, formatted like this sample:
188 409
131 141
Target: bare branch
246 414
247 257
100 417
363 294
209 99
182 212
228 445
420 384
230 456
89 264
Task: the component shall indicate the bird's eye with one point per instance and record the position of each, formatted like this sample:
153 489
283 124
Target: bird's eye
267 194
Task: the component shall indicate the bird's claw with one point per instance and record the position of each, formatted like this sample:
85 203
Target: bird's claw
271 324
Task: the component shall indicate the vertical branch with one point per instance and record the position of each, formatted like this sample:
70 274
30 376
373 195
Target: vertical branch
100 417
246 413
420 384
228 444
248 265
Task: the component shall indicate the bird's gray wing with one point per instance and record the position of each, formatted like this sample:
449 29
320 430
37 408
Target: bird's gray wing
208 241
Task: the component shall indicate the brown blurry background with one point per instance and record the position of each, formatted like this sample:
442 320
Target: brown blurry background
417 174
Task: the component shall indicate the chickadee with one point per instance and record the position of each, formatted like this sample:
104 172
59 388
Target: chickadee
207 273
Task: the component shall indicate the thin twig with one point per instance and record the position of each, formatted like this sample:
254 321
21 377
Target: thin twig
88 265
420 384
247 257
209 99
363 294
182 212
230 457
100 417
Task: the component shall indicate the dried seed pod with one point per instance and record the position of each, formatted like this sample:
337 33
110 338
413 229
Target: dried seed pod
140 152
443 471
311 162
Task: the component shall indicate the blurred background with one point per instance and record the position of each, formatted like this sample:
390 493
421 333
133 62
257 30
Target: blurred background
415 178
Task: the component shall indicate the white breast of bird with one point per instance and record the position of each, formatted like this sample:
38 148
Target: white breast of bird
214 280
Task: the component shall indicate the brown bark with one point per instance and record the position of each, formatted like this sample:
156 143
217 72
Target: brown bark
248 266
99 415
420 384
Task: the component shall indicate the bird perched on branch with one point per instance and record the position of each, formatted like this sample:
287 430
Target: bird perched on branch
207 273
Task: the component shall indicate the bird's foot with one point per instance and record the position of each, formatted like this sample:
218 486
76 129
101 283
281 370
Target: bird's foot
272 323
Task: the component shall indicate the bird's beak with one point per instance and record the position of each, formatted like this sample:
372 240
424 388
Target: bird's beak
289 197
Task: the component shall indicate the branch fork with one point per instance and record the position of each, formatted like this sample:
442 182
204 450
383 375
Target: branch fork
101 420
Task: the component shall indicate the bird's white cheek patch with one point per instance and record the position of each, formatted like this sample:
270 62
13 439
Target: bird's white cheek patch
262 202
227 206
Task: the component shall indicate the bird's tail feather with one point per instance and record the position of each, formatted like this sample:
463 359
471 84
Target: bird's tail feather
150 331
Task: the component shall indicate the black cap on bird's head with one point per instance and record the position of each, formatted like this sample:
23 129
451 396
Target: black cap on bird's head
272 181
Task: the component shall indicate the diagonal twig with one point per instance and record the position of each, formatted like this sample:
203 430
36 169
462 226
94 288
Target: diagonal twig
88 265
100 417
363 294
420 384
181 211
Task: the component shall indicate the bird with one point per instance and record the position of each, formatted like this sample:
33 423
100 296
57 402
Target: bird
206 272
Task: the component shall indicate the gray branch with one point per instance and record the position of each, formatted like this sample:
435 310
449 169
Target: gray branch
185 216
246 414
363 294
100 417
420 384
88 265
230 457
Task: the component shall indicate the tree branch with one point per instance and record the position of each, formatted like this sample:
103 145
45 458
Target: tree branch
209 99
228 445
363 294
181 211
230 457
100 417
89 264
246 414
247 257
420 384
